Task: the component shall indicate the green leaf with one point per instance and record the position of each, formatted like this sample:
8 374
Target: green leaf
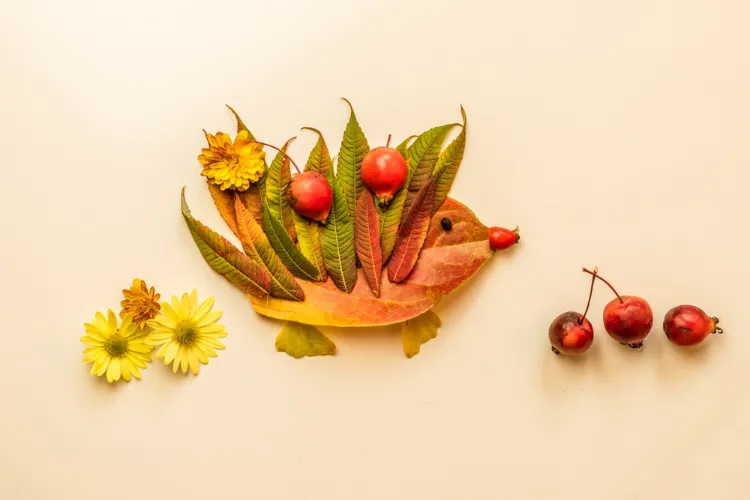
320 157
287 252
353 149
404 146
308 237
276 185
257 247
225 258
240 124
298 340
423 155
337 237
447 166
390 217
417 331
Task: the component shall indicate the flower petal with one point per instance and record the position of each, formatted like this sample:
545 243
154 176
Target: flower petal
113 371
209 318
125 369
195 365
111 322
203 309
213 342
171 351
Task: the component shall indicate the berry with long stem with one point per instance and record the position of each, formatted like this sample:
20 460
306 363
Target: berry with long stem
571 333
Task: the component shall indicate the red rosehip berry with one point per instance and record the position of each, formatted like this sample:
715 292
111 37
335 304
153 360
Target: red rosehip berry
688 325
310 195
384 171
627 319
571 333
501 238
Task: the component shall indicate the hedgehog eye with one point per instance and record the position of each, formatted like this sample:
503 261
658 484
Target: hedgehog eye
446 223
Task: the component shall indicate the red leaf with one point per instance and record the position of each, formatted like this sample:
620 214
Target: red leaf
367 240
412 233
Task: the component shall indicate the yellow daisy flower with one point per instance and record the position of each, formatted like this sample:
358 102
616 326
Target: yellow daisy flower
116 351
232 165
187 332
140 302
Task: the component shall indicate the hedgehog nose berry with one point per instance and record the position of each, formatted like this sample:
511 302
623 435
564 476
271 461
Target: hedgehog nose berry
501 238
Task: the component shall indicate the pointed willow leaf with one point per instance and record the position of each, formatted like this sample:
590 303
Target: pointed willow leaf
308 237
287 252
257 247
276 185
225 258
320 157
390 217
404 146
240 124
353 149
447 166
224 204
367 240
423 155
417 331
337 238
412 233
298 340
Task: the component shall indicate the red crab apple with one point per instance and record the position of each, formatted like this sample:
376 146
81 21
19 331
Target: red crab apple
310 195
571 333
627 319
384 172
688 325
501 238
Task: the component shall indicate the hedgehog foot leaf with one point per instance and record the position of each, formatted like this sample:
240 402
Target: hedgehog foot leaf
298 340
417 331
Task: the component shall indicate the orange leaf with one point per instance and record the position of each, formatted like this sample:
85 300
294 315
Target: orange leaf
367 239
412 233
447 260
256 245
224 201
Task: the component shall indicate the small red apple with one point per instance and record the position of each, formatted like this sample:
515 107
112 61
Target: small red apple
310 195
384 171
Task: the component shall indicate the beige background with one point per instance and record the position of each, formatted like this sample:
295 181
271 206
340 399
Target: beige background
614 133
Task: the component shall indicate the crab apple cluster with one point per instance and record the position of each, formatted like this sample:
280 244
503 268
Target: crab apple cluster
628 319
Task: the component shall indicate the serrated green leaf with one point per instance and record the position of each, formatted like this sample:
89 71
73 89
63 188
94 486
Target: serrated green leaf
353 149
298 340
367 240
240 124
225 258
417 331
257 247
404 147
285 249
447 166
276 185
337 238
390 217
320 157
308 237
423 156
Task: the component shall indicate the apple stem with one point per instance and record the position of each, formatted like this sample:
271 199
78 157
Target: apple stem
596 275
282 152
388 142
591 293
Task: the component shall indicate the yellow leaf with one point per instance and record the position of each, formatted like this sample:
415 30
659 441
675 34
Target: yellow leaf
417 331
298 340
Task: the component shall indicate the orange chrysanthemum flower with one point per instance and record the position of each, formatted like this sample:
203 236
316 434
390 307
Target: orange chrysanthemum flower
140 302
232 165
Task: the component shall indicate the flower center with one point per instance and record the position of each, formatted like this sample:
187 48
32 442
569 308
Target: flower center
116 346
186 333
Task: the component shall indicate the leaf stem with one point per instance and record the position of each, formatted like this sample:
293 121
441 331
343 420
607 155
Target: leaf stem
388 142
594 273
282 152
591 293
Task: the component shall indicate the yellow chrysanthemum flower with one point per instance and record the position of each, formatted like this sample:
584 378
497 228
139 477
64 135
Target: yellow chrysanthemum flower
232 165
140 302
187 332
116 351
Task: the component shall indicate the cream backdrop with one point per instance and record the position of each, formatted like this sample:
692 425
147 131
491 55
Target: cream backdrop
614 133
